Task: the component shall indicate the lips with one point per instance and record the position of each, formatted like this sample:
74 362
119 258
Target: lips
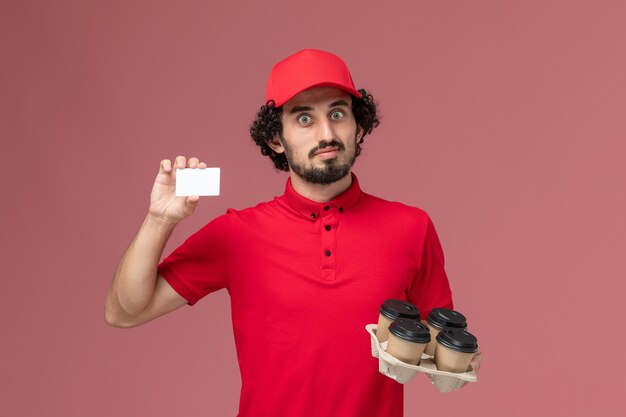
329 149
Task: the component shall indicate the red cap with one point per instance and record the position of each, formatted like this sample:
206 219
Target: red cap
305 69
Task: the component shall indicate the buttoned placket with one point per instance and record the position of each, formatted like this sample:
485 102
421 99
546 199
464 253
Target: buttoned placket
328 223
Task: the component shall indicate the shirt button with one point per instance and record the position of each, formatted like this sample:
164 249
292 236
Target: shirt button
327 227
312 215
327 253
326 208
340 209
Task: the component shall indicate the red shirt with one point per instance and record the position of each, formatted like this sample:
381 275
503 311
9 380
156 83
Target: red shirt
304 279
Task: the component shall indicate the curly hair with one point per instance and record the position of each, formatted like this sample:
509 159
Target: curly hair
268 124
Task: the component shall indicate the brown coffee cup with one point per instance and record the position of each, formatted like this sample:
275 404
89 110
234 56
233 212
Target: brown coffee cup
443 318
407 340
391 310
454 351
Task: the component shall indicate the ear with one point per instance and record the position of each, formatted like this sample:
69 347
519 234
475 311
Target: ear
276 144
359 134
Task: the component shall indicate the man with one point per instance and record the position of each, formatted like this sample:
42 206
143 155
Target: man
307 271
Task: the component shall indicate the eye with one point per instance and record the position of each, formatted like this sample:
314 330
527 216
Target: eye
336 115
304 119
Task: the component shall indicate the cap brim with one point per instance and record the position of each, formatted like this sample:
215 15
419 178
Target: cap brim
347 89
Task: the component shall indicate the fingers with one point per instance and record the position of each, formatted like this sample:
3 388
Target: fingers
476 360
190 204
179 163
193 163
165 167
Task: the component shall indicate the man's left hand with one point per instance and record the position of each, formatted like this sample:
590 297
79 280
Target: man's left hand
475 362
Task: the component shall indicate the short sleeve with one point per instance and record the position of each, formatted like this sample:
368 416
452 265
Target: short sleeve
199 266
430 287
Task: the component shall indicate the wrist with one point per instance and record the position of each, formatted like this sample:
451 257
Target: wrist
160 223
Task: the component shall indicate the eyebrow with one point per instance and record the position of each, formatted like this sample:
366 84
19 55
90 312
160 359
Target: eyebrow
338 103
335 103
298 109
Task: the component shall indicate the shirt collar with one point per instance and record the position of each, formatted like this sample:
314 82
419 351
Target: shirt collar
311 209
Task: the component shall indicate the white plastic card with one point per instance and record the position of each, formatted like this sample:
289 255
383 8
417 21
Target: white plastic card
198 181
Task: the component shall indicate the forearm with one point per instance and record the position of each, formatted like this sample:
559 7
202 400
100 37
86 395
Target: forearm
134 282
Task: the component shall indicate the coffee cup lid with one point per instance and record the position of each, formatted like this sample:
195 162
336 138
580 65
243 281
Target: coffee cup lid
393 309
459 340
444 317
410 330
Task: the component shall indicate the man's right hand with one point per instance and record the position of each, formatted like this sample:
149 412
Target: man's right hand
165 206
138 293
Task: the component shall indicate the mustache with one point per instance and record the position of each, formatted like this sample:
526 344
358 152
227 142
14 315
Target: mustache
325 144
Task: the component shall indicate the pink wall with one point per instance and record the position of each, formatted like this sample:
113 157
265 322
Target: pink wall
504 121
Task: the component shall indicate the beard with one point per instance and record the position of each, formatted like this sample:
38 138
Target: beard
332 171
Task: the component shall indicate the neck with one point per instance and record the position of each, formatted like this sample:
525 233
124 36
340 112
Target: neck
318 192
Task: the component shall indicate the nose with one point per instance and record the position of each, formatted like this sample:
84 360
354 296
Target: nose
326 131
